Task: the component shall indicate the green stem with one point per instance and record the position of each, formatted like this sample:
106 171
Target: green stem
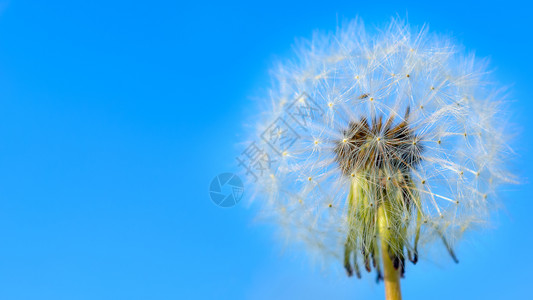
392 275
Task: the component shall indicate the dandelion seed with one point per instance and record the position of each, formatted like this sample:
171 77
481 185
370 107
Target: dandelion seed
395 191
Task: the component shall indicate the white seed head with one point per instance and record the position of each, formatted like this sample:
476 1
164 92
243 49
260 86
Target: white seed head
366 144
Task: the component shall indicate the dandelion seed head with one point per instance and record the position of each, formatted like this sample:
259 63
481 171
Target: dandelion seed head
393 115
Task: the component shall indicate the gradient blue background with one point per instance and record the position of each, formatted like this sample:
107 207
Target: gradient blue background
116 115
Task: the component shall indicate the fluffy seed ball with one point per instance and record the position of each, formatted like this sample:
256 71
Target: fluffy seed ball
396 109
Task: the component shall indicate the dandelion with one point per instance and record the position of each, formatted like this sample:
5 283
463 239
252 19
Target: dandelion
391 142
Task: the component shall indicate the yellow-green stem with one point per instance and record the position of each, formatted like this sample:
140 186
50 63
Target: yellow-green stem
391 275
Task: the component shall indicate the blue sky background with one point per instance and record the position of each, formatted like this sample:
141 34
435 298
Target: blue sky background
116 115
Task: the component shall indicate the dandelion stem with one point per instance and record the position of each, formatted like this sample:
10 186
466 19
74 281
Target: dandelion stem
392 275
